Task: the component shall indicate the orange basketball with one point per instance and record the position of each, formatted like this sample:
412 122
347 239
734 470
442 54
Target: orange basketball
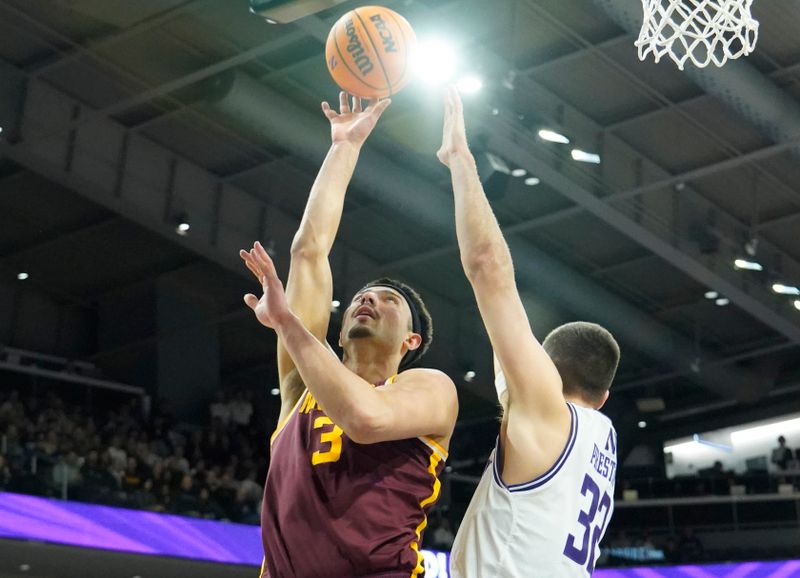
369 52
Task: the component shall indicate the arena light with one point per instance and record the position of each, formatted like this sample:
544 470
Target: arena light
183 228
435 61
797 304
275 391
469 84
785 289
553 136
335 303
519 173
722 301
22 275
772 430
532 181
584 157
642 424
748 265
711 294
469 376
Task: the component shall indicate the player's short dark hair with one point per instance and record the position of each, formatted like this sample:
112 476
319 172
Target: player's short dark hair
416 304
586 356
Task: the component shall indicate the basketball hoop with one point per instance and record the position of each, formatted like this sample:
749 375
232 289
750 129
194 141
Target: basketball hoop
703 31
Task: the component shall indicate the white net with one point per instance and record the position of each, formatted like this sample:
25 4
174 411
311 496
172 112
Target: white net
703 31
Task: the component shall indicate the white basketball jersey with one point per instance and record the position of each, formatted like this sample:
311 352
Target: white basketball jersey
551 526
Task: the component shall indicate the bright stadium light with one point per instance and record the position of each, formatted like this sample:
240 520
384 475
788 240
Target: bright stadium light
748 265
469 84
797 304
275 391
584 157
519 173
642 424
469 376
532 181
553 136
435 61
785 289
711 294
22 275
722 301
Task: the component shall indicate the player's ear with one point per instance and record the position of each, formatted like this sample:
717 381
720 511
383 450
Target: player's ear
604 400
413 341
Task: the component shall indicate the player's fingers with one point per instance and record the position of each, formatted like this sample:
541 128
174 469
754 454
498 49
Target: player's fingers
344 106
265 263
356 104
251 301
328 111
381 107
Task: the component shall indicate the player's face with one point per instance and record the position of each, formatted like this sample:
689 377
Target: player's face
379 312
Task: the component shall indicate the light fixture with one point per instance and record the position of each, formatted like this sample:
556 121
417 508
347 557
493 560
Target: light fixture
785 289
22 275
1 130
749 265
469 84
722 301
436 61
335 303
275 391
797 304
519 173
532 181
642 424
469 376
183 228
584 157
24 567
711 294
553 136
772 430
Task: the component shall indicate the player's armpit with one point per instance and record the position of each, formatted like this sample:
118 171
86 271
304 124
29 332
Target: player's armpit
420 402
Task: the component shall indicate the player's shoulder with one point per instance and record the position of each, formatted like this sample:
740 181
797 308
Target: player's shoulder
428 375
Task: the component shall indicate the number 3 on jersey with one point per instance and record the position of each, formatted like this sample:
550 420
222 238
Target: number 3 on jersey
332 437
591 533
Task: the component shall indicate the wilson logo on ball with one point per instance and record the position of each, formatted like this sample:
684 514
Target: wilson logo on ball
356 50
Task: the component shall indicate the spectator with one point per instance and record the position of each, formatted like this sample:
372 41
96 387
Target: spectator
443 535
186 499
781 455
241 410
5 473
690 548
220 409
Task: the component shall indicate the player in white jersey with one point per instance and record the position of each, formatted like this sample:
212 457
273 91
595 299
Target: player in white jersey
546 497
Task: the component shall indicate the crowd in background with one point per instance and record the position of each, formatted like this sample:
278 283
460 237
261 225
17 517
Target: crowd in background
128 456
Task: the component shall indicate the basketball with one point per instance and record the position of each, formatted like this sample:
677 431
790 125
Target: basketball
369 50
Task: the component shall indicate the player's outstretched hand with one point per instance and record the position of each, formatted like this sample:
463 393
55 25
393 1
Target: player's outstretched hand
353 124
272 308
454 134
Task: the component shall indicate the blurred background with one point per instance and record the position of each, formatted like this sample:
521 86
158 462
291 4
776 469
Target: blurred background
144 143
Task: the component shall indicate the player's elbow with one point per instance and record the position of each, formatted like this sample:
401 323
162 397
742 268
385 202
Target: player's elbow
487 260
367 426
306 245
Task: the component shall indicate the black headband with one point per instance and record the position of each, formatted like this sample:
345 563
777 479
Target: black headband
416 324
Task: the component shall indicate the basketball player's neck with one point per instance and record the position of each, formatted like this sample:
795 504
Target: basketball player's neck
372 364
579 401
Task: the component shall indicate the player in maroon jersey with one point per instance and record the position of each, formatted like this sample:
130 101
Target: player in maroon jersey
361 441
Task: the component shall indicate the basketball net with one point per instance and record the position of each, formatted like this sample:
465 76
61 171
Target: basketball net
703 31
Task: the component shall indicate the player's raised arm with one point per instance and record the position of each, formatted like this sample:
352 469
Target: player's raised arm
420 402
535 397
309 287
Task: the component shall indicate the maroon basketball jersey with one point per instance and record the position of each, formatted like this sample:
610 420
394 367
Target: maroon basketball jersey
337 509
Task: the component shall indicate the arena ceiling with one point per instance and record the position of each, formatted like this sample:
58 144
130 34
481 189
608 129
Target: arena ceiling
122 118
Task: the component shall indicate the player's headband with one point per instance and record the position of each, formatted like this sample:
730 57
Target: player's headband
416 324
